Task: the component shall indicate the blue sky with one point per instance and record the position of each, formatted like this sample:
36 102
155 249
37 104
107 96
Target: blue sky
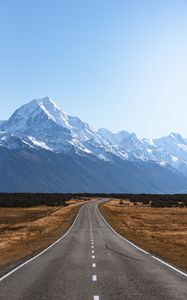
117 64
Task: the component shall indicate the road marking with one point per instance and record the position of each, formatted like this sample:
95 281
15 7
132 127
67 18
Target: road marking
93 256
42 252
95 297
165 263
94 265
93 251
92 243
92 247
120 235
91 233
94 277
160 260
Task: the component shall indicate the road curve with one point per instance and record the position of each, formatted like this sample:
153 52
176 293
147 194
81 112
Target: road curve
93 263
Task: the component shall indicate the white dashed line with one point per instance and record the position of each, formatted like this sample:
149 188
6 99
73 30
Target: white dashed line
91 233
94 277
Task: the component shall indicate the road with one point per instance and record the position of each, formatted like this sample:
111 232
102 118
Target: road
93 263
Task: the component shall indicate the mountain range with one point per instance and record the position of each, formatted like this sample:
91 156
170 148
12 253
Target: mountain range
43 149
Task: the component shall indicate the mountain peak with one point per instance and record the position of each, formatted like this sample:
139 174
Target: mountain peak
53 112
35 115
177 137
47 101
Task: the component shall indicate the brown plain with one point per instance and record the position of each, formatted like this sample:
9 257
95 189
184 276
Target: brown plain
25 231
161 231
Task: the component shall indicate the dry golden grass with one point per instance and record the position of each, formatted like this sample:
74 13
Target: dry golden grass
161 231
24 231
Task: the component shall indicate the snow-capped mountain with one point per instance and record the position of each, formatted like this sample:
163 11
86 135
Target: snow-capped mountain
170 150
40 129
42 123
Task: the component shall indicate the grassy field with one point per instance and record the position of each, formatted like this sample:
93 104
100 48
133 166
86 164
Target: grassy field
24 231
161 231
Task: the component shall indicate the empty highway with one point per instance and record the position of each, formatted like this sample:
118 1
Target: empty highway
93 263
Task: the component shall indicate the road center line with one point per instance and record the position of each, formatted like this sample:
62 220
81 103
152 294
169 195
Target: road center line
93 256
91 233
94 277
94 265
95 297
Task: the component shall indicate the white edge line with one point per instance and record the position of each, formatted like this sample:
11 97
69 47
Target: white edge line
42 252
160 260
170 266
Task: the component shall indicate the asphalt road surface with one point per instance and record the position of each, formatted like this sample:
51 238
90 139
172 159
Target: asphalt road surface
93 263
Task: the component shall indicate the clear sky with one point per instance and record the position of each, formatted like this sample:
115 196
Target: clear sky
119 64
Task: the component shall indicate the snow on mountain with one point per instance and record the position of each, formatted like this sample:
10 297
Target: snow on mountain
114 138
12 141
51 128
128 143
174 144
170 150
42 124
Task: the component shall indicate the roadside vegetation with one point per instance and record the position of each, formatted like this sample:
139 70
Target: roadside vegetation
26 229
35 199
156 223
